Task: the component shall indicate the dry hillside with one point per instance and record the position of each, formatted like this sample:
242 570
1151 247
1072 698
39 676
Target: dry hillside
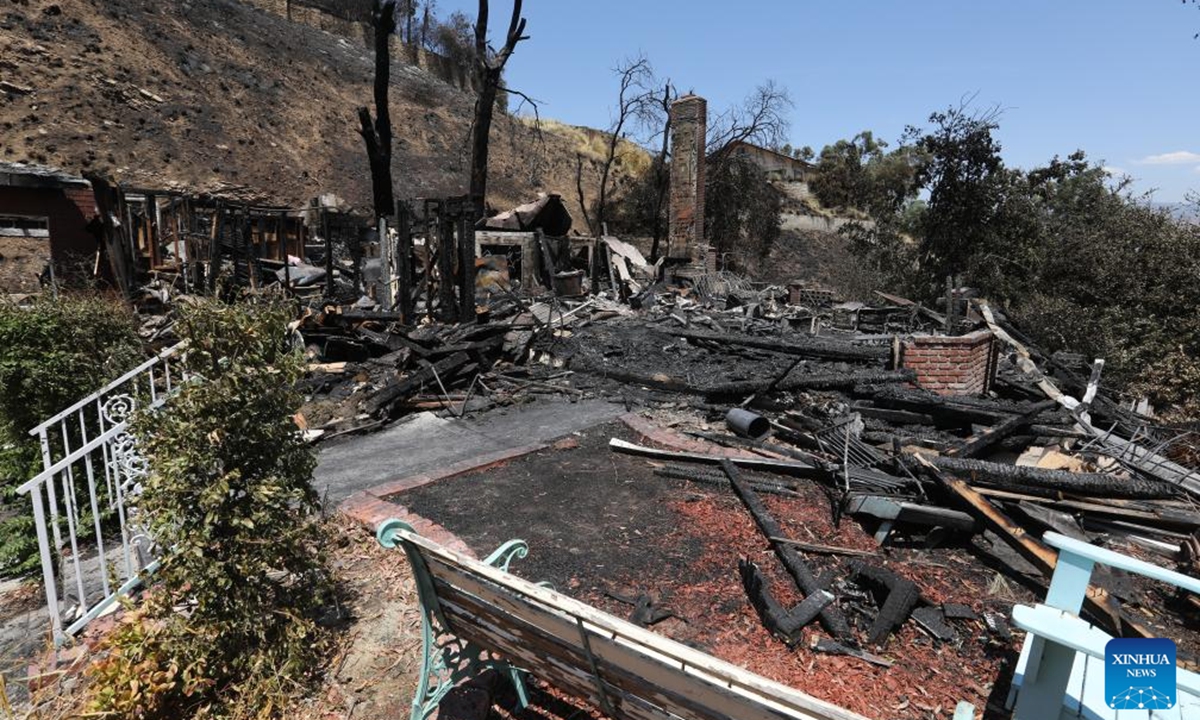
221 96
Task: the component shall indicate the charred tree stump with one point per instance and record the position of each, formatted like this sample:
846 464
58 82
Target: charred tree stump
831 617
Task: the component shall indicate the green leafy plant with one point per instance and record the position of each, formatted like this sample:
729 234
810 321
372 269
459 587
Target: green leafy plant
53 352
233 614
1079 263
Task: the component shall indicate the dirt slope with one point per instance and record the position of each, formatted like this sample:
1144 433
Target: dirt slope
218 96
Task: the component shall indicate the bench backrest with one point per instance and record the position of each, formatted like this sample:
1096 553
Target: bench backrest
593 655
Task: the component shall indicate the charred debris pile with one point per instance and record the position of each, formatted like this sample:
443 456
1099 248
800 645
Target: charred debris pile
921 422
927 427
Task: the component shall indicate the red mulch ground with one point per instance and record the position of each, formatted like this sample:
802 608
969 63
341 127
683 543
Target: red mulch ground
928 678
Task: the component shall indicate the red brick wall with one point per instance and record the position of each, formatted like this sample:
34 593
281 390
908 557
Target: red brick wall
68 209
964 365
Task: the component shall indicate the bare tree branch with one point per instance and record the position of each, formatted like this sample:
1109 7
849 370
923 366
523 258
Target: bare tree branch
489 68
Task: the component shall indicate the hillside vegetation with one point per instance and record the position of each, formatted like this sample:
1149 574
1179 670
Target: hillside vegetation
221 96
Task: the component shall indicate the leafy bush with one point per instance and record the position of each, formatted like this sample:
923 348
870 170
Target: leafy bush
1079 263
230 495
53 352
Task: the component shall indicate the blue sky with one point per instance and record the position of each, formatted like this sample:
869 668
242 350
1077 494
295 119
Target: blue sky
1116 78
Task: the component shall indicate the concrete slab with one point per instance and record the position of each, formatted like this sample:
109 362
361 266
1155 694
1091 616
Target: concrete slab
426 442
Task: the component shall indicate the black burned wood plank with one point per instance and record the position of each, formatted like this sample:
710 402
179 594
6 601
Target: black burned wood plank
816 381
787 625
991 474
824 349
388 396
831 617
902 595
976 444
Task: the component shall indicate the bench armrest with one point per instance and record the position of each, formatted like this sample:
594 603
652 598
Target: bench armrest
1124 562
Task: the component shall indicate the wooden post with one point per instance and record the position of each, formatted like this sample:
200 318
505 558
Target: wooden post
283 250
385 265
446 252
329 288
427 261
249 251
214 247
466 261
404 261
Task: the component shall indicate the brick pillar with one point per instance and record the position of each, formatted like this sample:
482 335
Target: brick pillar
963 365
689 122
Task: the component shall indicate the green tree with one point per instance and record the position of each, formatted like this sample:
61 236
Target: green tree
1079 263
859 173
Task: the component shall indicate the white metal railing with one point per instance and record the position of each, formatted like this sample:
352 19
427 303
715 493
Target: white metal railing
84 571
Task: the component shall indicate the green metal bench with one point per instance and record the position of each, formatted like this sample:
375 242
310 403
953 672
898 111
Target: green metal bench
476 616
1060 673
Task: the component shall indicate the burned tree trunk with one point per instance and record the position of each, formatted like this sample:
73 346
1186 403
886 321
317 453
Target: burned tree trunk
378 137
662 176
488 71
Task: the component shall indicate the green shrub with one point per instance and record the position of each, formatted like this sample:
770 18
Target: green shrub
52 353
230 493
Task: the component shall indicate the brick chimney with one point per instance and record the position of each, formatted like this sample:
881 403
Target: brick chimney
689 122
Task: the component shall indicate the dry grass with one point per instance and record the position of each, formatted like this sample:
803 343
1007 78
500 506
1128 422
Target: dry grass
593 145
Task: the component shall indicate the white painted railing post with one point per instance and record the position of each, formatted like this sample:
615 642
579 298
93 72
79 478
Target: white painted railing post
115 450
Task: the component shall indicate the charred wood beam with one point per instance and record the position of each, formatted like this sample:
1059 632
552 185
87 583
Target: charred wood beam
991 474
446 281
975 445
901 595
959 410
787 625
781 467
466 265
824 349
404 261
390 395
705 478
658 381
1153 512
821 381
1101 606
831 617
898 417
